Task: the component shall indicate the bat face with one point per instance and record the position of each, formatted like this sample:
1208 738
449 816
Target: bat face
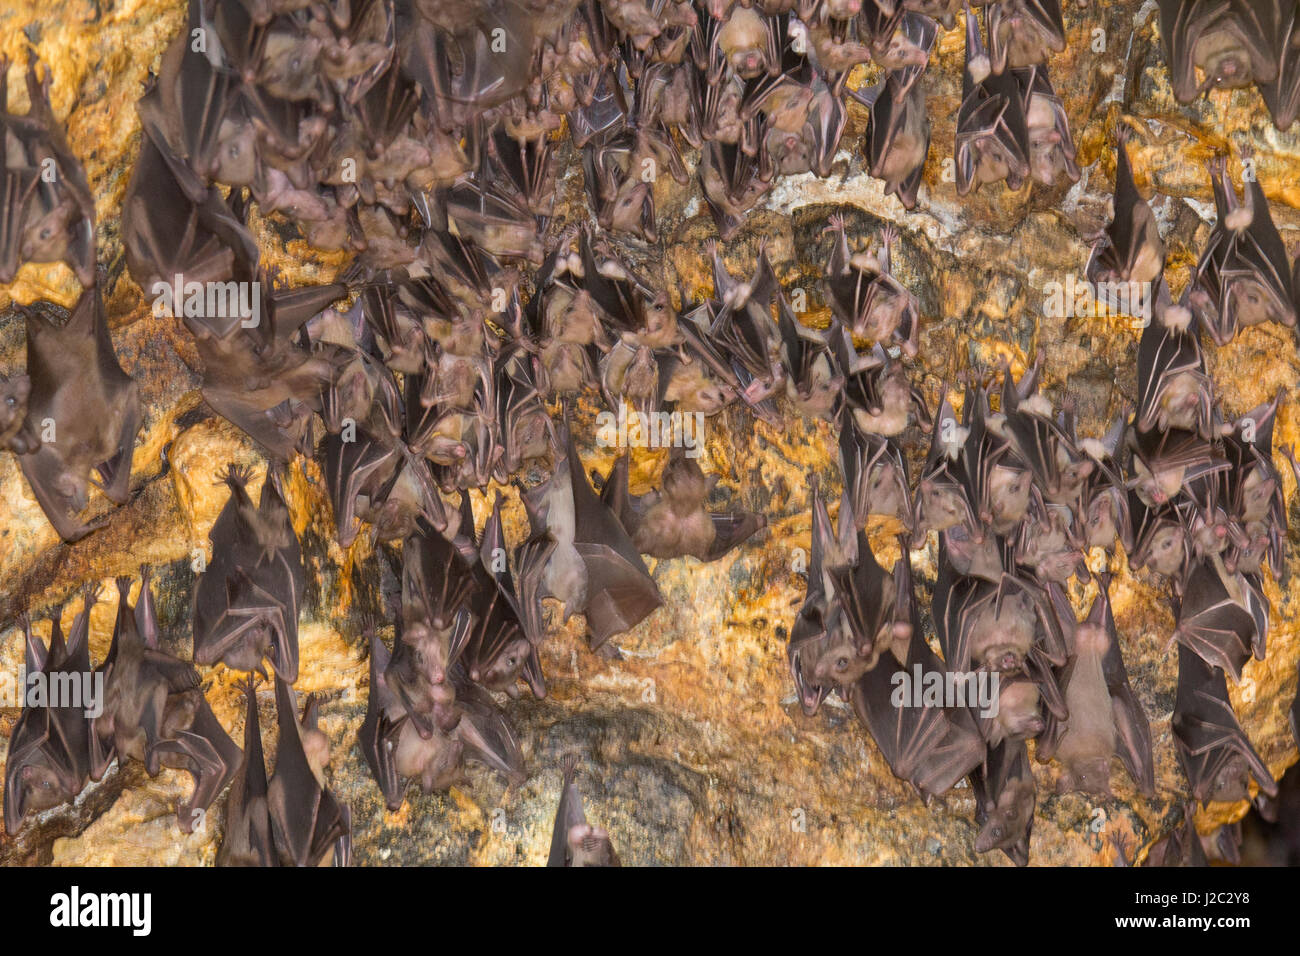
1051 148
87 409
1005 802
865 296
1228 43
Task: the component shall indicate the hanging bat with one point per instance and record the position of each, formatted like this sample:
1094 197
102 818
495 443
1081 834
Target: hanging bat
307 820
945 495
1131 249
155 712
587 560
1160 540
876 616
877 392
1051 147
819 625
734 180
1242 277
1023 33
1173 386
742 327
48 760
1253 489
1048 542
1101 511
864 295
983 624
1165 462
246 601
484 732
1282 95
1060 469
875 475
1214 751
1181 846
45 202
897 139
1223 617
574 841
1230 43
246 838
673 522
930 747
900 40
1105 716
82 414
992 135
1004 801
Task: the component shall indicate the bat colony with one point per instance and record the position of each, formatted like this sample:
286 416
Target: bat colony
422 137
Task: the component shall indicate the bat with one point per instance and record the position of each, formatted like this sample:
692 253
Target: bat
1181 846
944 493
1212 748
992 141
818 627
1051 147
992 625
155 712
385 723
48 760
742 326
574 841
307 820
897 139
1164 462
672 521
864 295
1253 489
1229 43
45 202
1023 33
1223 617
1243 276
930 747
484 732
733 179
86 408
876 615
877 392
1174 390
246 838
875 474
1282 95
1105 716
900 40
1004 802
1101 511
246 602
1047 542
1130 250
1060 469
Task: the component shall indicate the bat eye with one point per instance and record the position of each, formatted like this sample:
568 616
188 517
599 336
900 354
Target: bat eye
842 664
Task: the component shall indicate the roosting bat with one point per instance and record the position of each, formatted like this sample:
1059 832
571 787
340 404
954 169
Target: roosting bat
155 712
811 383
864 295
1230 43
1105 716
246 601
82 414
48 761
1004 802
588 561
1023 33
1051 147
897 139
307 820
1223 616
673 521
1131 249
1282 95
1174 391
574 841
1243 277
991 625
246 838
930 747
47 213
1216 756
1253 491
875 475
992 135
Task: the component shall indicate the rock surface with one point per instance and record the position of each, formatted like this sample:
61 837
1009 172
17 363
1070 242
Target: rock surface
692 745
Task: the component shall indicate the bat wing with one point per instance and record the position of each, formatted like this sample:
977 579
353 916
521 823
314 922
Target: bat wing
206 751
379 733
247 839
487 734
1213 623
1132 730
306 819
